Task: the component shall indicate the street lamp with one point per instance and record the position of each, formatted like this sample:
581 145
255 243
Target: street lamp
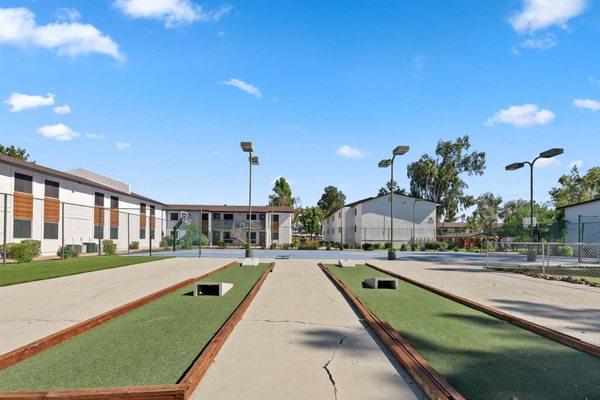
518 165
247 147
398 151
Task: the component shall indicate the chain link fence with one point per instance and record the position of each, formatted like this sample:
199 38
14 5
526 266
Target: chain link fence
380 236
576 262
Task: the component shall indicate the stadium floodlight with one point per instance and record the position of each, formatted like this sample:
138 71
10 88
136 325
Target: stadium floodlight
514 166
247 147
254 160
385 163
400 150
552 153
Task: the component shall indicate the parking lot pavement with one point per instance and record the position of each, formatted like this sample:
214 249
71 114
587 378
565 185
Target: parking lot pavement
33 310
300 339
566 307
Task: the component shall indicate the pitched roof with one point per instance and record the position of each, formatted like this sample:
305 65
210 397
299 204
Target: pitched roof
355 203
578 204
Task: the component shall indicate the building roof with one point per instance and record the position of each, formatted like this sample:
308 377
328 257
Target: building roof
228 208
449 224
578 204
355 203
32 166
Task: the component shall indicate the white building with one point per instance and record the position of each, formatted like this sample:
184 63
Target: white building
368 221
582 222
270 224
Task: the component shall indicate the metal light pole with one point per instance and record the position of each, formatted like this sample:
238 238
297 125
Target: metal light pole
252 160
398 151
518 165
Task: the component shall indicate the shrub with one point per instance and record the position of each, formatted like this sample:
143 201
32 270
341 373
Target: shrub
351 246
222 244
309 245
443 246
367 246
136 245
451 245
287 246
35 245
110 247
561 250
376 246
165 242
431 246
295 242
273 246
187 243
69 251
21 252
403 247
328 247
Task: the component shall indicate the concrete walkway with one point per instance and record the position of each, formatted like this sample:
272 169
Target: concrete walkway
33 310
301 340
569 308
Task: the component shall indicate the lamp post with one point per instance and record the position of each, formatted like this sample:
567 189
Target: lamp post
518 165
247 147
398 151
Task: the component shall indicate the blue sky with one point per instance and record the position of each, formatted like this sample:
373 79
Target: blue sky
162 92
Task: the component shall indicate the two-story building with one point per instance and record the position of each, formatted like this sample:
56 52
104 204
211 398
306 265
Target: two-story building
368 221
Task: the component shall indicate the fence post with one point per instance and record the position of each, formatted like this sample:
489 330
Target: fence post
128 233
5 230
62 230
150 236
545 258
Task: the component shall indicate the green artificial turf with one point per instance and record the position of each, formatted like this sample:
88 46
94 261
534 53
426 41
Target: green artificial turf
481 356
152 345
12 274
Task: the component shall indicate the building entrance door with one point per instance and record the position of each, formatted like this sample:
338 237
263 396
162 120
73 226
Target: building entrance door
262 238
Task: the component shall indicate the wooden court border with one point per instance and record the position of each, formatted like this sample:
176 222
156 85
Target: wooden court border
541 330
428 379
178 391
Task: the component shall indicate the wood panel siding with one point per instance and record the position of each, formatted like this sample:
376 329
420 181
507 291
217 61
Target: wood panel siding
51 209
23 206
98 215
143 220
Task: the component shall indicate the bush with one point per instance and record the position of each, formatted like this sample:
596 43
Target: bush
187 243
367 246
403 247
135 245
561 250
309 245
35 245
109 247
69 251
443 246
273 246
287 246
295 242
431 246
376 246
451 246
21 252
351 246
165 242
222 244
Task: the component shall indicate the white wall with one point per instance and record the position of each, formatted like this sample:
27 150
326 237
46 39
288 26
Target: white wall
590 218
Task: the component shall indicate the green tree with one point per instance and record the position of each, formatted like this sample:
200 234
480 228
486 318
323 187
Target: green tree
310 220
282 194
487 214
389 186
575 187
513 212
438 178
16 152
331 200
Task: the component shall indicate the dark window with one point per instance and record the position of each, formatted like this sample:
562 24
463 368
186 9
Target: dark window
98 232
216 215
261 217
151 234
23 183
226 235
204 217
142 234
174 216
51 189
99 199
355 210
275 236
252 235
253 217
228 216
114 232
152 210
142 208
50 230
114 202
354 228
275 217
22 229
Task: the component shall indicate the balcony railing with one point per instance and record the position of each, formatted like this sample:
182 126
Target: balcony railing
233 224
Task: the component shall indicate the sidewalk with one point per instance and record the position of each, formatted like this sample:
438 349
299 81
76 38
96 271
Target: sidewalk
301 340
33 310
566 307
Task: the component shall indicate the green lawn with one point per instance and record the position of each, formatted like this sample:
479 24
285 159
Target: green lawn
151 345
12 274
481 356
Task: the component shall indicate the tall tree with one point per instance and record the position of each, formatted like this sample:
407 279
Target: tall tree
438 178
310 220
575 187
487 213
16 152
331 200
389 186
282 194
513 212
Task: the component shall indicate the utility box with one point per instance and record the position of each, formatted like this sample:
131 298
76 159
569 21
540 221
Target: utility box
250 262
381 283
90 247
211 288
346 263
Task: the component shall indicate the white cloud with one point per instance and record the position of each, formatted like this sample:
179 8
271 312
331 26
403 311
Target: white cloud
64 109
521 116
174 13
593 80
123 145
67 14
19 28
547 163
21 102
94 136
246 87
576 163
60 132
542 14
586 104
349 152
545 42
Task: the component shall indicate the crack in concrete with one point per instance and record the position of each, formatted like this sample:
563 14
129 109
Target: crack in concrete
289 321
326 366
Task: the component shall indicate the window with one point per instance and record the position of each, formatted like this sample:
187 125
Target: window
50 230
226 235
340 229
261 217
355 211
275 236
22 206
152 221
51 209
204 217
174 216
216 215
228 216
51 189
142 221
98 216
253 217
354 228
22 229
275 217
114 217
23 183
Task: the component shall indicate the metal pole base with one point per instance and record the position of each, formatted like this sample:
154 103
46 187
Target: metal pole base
248 251
391 254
